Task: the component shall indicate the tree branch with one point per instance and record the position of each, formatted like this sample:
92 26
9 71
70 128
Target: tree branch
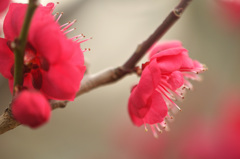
160 31
111 75
115 74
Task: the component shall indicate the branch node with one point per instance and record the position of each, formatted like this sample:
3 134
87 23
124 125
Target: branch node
178 12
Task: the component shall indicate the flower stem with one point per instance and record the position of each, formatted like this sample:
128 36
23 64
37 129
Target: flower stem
19 46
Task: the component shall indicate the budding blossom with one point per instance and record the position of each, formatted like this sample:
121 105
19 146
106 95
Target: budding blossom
164 79
53 64
31 108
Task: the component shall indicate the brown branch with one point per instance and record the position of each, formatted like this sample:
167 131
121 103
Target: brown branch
160 31
7 122
108 76
113 75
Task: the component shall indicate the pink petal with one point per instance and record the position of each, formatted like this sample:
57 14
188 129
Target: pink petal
6 59
164 46
13 21
169 52
65 74
176 80
4 4
187 62
141 94
170 60
46 40
197 65
145 104
155 72
158 109
132 112
169 64
62 81
155 114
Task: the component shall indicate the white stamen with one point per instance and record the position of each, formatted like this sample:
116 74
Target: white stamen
158 129
146 128
69 25
167 90
83 41
86 50
159 89
188 84
65 24
55 14
78 37
172 102
59 17
163 124
173 93
154 131
69 31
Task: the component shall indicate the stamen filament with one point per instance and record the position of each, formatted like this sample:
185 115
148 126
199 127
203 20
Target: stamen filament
59 17
69 25
69 31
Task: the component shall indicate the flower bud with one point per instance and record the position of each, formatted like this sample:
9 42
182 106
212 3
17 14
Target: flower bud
31 108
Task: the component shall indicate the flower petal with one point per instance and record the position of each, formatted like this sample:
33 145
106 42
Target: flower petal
141 94
46 37
6 59
62 81
187 62
3 5
14 20
158 109
164 46
176 80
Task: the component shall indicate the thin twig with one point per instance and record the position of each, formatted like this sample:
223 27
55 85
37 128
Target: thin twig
110 75
113 75
160 31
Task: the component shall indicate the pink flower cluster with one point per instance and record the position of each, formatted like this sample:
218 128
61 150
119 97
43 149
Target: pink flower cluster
53 64
164 79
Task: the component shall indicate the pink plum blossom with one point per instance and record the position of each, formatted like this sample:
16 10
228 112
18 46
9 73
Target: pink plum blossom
53 64
31 108
163 80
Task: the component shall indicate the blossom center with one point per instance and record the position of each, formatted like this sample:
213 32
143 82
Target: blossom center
34 65
32 60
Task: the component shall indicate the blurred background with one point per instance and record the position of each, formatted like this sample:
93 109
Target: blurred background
97 126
